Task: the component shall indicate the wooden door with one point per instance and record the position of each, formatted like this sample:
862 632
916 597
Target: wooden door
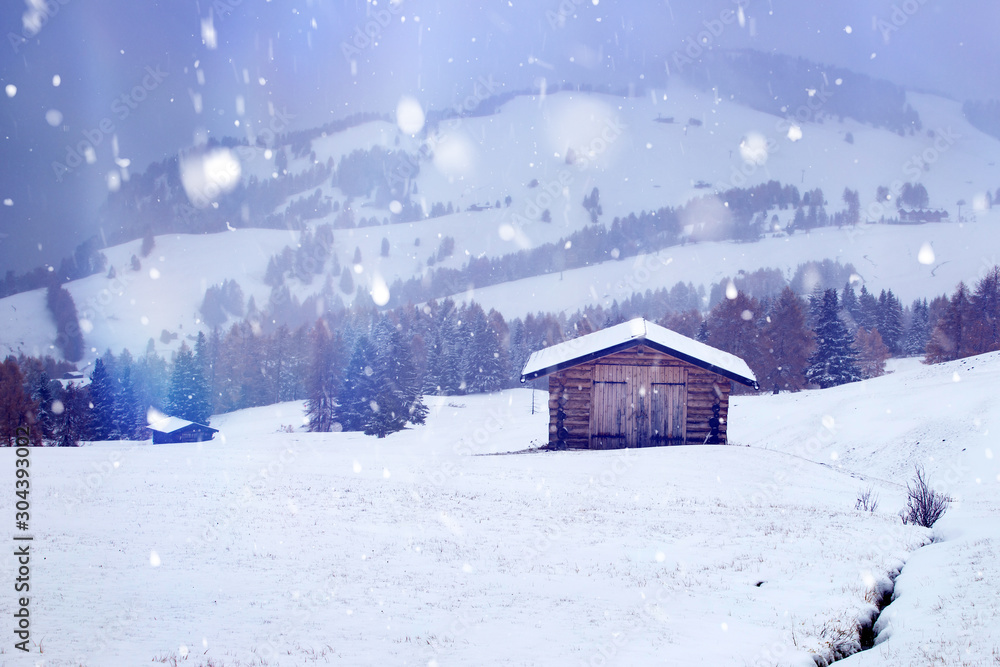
609 408
637 406
640 397
668 420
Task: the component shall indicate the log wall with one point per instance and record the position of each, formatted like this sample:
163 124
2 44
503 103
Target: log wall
574 387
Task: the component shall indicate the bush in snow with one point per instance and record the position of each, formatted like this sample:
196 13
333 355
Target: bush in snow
867 500
924 505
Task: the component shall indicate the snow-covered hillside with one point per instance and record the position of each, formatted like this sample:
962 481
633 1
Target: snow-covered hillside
636 162
274 547
946 608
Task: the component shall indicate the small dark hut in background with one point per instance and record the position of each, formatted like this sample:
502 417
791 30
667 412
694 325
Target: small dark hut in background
175 429
636 384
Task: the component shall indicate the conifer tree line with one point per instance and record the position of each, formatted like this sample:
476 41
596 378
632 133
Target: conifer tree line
368 371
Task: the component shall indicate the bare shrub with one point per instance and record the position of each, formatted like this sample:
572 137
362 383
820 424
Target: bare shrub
867 500
924 505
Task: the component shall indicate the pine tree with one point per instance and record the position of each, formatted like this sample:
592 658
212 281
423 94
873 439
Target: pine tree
391 376
72 422
890 321
786 344
43 396
152 381
482 357
853 201
398 399
868 307
347 281
129 417
357 392
188 396
849 304
102 395
834 361
918 332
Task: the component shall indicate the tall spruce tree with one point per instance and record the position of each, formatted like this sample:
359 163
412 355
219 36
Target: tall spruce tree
129 416
71 425
188 396
918 331
890 321
358 390
397 399
849 303
483 354
102 396
835 360
43 396
868 309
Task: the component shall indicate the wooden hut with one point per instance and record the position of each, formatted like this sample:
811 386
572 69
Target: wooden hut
175 429
636 384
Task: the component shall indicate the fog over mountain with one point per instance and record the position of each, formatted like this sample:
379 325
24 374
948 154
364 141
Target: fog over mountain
141 81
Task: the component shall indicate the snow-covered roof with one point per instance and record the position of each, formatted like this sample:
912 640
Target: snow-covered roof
171 424
630 334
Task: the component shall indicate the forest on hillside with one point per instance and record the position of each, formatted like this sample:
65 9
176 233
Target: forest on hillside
367 370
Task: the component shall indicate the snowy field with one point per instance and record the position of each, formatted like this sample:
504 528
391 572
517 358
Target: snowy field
266 547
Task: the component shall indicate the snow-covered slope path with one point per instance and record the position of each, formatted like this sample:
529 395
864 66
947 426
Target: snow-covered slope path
945 418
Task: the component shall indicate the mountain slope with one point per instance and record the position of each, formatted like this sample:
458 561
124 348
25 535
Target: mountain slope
619 147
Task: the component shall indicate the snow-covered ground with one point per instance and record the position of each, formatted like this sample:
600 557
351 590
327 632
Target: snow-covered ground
269 547
944 418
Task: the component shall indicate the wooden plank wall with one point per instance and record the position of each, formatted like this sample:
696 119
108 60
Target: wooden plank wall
576 383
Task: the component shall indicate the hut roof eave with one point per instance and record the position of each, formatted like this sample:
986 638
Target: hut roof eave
632 334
